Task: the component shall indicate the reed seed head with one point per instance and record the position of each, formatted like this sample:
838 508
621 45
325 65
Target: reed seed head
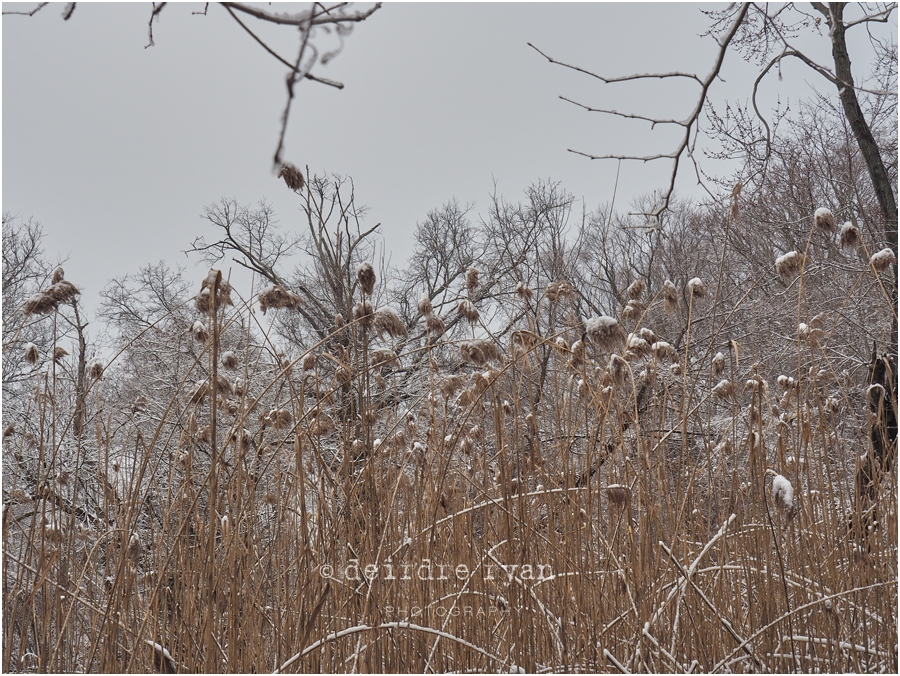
557 290
434 325
38 303
198 392
789 265
648 335
809 335
633 309
479 351
275 297
663 350
695 286
31 353
95 369
724 389
472 279
824 219
292 176
383 357
605 332
321 424
849 235
364 313
636 289
201 335
783 496
203 300
523 292
786 383
618 495
135 548
883 259
718 364
224 294
62 292
281 418
365 275
468 311
48 300
757 384
450 385
670 294
618 369
387 321
637 345
523 340
425 306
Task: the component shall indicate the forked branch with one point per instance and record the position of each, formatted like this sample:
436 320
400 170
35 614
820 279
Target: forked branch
689 124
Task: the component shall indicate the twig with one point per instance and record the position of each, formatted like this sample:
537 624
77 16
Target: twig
623 78
725 623
680 585
646 632
156 10
37 9
843 645
629 116
797 610
388 625
308 76
608 655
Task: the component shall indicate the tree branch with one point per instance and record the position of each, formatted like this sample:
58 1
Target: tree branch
37 9
156 10
654 121
624 78
879 17
306 18
308 76
688 123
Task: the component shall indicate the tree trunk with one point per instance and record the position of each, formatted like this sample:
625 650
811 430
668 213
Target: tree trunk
78 418
880 180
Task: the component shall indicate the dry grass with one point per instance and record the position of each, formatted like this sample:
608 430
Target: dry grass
599 513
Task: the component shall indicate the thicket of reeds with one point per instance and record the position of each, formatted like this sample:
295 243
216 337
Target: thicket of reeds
588 499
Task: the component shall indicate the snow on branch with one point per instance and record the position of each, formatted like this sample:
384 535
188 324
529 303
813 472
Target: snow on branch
318 14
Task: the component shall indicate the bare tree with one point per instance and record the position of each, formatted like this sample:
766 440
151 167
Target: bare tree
139 301
765 35
25 271
445 247
332 242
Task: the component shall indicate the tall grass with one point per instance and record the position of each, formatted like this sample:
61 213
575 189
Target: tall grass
530 508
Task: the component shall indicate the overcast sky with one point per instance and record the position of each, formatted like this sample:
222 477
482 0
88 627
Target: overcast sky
116 149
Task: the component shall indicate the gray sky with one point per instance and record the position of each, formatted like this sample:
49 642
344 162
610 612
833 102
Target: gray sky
116 149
